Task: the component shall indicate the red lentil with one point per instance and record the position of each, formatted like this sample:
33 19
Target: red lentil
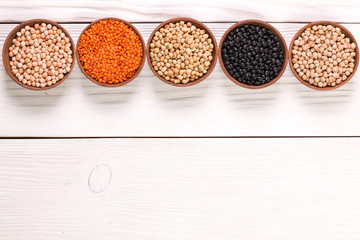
110 51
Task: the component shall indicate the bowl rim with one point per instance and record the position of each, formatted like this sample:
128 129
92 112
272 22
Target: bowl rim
275 32
8 43
142 59
197 24
347 34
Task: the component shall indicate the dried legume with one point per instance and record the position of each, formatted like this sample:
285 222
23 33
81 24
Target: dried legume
323 56
40 55
181 52
110 51
252 55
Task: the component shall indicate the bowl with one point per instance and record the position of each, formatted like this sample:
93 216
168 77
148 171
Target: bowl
283 48
197 24
347 34
137 71
8 43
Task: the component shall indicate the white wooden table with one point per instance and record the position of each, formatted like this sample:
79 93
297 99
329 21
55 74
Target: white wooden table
148 161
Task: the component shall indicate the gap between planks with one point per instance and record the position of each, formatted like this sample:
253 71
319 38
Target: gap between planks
206 22
178 137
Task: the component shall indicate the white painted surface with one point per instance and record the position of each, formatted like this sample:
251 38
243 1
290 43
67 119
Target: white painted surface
149 107
100 178
159 10
174 188
261 189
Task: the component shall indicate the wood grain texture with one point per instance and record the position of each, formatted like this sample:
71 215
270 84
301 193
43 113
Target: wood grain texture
149 107
159 10
258 189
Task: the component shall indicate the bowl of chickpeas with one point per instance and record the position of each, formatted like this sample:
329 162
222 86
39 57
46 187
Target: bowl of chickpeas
38 54
324 55
182 52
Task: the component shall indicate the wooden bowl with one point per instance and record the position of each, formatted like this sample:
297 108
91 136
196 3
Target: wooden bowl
8 43
275 32
137 71
197 24
347 34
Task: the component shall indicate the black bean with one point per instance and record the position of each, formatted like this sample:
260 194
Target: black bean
252 54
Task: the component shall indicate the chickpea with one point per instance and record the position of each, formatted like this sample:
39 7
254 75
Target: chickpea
177 49
32 53
323 56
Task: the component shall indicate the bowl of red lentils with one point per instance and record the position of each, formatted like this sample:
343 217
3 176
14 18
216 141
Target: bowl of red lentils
38 54
324 55
182 52
110 52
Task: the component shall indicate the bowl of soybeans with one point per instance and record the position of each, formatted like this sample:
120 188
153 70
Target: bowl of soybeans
182 52
38 54
324 55
110 52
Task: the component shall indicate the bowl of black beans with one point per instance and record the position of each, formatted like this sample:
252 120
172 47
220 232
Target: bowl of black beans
254 54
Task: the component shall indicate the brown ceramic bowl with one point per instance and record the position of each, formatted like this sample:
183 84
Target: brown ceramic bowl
283 48
197 24
347 34
137 71
8 43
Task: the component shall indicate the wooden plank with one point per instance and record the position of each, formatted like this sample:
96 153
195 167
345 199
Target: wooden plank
181 189
159 10
149 107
